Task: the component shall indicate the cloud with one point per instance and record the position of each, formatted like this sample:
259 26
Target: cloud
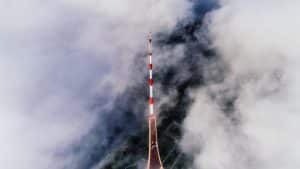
56 58
258 45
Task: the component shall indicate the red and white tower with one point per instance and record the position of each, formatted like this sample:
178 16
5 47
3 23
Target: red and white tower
154 161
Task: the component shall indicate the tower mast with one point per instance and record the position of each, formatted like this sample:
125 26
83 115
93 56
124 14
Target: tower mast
154 161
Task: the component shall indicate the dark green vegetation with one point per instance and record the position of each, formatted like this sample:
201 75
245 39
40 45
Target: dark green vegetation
133 153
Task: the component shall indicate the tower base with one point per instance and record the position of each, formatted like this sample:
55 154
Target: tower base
154 161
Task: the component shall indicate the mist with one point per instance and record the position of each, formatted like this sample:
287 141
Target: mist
62 65
73 86
247 116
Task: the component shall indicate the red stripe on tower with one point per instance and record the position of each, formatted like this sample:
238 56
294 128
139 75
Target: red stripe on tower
150 66
151 100
150 82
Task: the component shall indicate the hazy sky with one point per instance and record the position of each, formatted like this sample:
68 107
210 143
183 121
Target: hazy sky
258 41
58 57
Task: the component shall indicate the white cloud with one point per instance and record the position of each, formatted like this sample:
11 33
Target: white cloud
55 57
259 42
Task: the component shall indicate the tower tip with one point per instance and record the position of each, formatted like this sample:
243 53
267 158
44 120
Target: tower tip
150 36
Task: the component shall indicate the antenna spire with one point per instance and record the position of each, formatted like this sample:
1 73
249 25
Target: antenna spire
154 161
151 100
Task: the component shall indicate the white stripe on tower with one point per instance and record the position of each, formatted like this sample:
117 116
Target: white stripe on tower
151 100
